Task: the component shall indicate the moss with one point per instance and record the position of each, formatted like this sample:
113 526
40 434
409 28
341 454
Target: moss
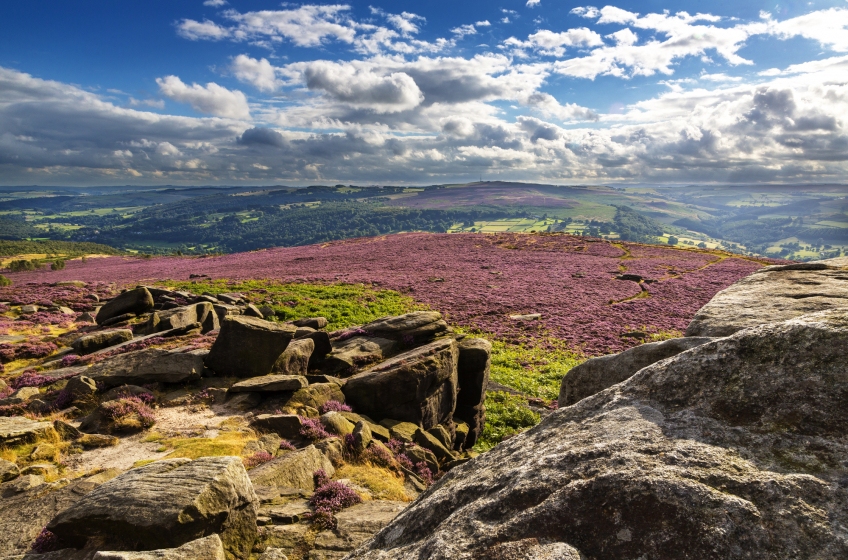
506 415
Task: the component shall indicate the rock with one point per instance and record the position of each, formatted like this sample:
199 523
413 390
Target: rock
151 365
596 374
8 471
270 383
244 401
442 434
231 299
379 432
336 423
93 342
285 425
22 395
291 512
318 394
418 386
15 430
355 525
66 431
322 347
772 294
94 441
303 331
86 318
295 359
248 347
223 310
22 484
207 548
361 436
29 309
293 469
420 454
527 317
135 301
316 323
734 449
460 434
81 387
166 504
43 469
252 311
183 317
410 329
325 379
403 431
120 320
266 310
333 449
125 391
473 375
428 441
273 554
350 355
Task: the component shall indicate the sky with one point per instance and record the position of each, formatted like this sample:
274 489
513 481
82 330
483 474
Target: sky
254 92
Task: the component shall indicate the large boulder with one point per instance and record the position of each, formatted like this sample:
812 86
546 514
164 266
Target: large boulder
409 329
15 430
596 374
418 386
248 347
166 504
207 548
135 301
294 469
295 359
183 317
269 384
734 449
473 377
93 342
151 365
348 356
773 294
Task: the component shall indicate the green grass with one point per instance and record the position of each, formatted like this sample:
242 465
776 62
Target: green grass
343 305
506 415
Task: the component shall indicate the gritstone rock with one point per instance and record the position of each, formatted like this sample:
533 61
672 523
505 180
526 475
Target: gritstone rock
269 383
151 365
418 386
473 375
15 430
734 449
350 355
164 505
294 469
248 347
93 342
135 301
207 548
295 359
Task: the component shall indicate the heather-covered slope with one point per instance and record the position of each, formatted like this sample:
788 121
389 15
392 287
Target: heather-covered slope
576 284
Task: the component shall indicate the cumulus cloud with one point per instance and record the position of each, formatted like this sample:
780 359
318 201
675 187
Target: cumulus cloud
532 3
362 88
215 3
260 73
211 98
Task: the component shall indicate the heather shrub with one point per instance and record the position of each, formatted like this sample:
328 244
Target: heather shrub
422 470
404 461
334 406
313 429
45 542
329 498
378 456
286 445
257 459
128 414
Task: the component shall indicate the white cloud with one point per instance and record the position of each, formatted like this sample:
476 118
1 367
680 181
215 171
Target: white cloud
197 30
215 3
533 3
211 98
155 103
550 43
828 27
484 23
589 12
463 30
361 88
259 73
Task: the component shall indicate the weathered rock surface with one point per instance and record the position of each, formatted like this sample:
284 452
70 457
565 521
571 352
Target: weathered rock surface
317 394
286 425
355 525
207 548
316 323
151 365
773 294
473 376
295 359
8 471
135 301
93 342
294 469
270 383
354 353
734 449
411 328
165 505
596 374
248 347
418 386
17 429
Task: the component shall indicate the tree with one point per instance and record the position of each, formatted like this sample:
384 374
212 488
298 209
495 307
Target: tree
672 240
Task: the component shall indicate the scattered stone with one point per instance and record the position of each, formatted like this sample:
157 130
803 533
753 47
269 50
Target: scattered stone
403 431
318 394
207 548
66 431
428 441
22 395
29 309
8 471
336 423
294 469
361 436
86 318
42 469
248 347
410 329
527 317
350 355
81 387
166 504
231 299
15 430
295 359
596 374
94 441
133 302
285 425
270 383
252 311
93 342
151 365
418 386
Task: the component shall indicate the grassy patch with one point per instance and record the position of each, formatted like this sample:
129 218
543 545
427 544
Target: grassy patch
226 444
342 304
506 415
382 483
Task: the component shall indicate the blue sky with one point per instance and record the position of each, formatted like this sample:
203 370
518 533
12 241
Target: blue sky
401 92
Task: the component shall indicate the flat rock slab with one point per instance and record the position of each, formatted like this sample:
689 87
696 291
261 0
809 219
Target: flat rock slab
734 449
596 374
207 548
17 429
770 295
294 469
270 383
350 355
165 505
93 342
151 365
357 524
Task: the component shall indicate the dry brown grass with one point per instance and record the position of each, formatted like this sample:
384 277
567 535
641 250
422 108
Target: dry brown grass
382 483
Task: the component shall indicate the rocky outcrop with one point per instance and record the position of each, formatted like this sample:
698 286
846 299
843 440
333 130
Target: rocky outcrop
93 342
596 374
734 449
473 377
151 365
349 355
270 383
294 469
207 548
418 386
133 302
410 329
166 504
248 347
15 430
773 294
295 359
